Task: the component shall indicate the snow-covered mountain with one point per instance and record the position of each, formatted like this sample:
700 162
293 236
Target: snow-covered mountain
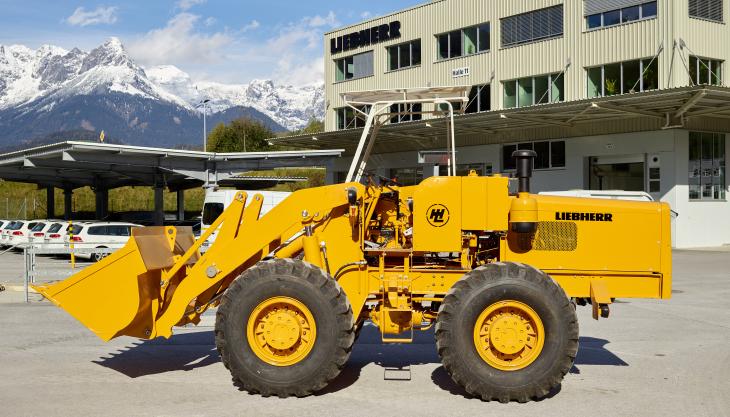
291 107
51 89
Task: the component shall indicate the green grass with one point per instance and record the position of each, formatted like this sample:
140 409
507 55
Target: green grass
26 201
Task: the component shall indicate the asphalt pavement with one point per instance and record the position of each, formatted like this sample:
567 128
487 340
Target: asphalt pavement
651 358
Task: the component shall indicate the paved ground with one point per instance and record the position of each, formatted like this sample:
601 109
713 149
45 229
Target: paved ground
651 358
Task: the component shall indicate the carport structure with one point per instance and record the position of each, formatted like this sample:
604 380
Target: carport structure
70 165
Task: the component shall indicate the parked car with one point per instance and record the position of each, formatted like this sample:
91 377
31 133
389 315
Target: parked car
3 231
38 232
53 238
20 231
100 235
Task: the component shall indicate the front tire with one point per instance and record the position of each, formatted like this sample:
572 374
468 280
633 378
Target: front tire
284 327
507 332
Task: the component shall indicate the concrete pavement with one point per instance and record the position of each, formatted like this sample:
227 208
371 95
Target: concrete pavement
651 358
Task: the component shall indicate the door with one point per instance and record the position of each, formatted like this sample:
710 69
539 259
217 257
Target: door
617 172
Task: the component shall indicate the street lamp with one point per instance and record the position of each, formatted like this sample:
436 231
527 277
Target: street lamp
203 103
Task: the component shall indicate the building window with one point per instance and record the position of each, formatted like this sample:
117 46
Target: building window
705 71
600 13
467 41
354 67
623 78
534 90
706 9
407 176
479 99
550 154
404 55
532 26
706 166
348 118
406 112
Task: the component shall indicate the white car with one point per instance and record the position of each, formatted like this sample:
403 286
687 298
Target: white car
87 237
38 232
54 236
18 233
3 228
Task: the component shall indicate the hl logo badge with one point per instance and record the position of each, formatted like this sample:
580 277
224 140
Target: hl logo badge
437 215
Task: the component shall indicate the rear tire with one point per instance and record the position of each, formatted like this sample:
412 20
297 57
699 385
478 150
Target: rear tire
98 256
254 361
468 333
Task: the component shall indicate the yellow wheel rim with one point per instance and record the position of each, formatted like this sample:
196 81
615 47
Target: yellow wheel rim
509 335
281 331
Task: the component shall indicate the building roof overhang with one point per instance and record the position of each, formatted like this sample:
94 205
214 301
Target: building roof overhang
653 110
77 164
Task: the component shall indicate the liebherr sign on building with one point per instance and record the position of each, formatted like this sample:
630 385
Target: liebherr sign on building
365 37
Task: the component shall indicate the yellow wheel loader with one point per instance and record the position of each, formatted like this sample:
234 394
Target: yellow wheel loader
497 273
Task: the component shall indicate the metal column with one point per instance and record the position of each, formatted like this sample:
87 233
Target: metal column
159 214
50 202
181 204
101 196
67 202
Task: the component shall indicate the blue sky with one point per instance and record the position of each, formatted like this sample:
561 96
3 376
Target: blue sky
214 40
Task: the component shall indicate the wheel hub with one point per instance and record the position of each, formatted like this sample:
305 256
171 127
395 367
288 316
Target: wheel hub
509 335
281 331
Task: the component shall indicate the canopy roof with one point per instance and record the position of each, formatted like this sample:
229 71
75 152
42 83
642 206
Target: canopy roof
457 93
697 107
78 164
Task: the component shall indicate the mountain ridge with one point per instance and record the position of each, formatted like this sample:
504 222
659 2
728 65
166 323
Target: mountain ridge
51 89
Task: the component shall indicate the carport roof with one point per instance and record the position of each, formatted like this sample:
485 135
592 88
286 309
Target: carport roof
660 109
100 165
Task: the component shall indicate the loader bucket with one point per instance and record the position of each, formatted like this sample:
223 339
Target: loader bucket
120 295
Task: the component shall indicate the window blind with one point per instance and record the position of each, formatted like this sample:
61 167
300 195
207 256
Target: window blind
363 64
599 6
532 26
706 9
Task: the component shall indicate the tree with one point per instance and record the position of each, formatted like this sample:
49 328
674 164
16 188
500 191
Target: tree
314 126
240 135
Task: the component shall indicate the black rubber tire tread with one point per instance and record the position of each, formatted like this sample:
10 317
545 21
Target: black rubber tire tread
479 289
328 304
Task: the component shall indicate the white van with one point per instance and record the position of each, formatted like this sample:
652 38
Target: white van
216 201
605 194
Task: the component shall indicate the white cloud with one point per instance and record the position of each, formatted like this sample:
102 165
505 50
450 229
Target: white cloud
251 26
185 5
319 21
210 21
100 15
365 15
179 43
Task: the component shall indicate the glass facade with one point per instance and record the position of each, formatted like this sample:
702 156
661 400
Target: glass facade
404 55
467 41
623 78
534 90
550 154
623 15
707 166
705 71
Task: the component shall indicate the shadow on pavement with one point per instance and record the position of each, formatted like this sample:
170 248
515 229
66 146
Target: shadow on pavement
591 351
183 351
187 351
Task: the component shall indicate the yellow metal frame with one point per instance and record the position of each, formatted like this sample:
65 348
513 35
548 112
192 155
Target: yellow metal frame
384 249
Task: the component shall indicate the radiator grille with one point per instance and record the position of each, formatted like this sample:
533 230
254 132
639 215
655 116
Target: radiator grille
556 236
